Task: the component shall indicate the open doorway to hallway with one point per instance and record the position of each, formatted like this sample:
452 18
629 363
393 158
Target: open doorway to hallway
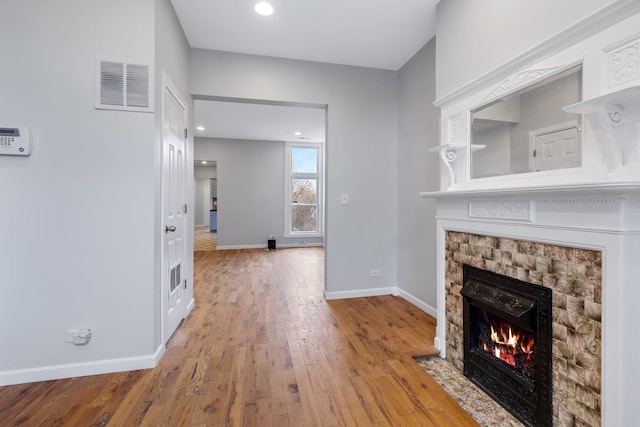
205 221
265 153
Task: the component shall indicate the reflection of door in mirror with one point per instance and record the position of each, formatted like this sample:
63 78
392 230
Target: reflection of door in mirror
557 149
505 126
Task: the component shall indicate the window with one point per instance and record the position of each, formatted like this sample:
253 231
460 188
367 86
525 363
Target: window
303 190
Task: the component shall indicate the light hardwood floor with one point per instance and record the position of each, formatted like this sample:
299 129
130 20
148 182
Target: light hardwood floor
262 348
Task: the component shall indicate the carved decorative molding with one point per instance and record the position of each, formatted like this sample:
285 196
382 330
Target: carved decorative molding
595 200
517 80
600 20
623 63
455 127
509 210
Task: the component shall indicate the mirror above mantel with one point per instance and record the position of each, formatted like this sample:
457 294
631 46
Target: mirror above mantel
567 112
528 130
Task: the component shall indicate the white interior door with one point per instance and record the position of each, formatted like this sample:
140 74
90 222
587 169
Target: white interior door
174 202
557 150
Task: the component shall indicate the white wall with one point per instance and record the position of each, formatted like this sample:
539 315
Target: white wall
474 37
361 152
76 236
418 170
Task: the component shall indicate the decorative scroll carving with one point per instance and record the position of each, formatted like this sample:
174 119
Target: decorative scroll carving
449 155
501 210
623 64
517 80
614 112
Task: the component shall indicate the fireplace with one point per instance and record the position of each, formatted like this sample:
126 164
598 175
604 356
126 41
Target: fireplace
507 342
573 230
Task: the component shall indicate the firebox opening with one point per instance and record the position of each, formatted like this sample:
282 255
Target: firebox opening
508 341
504 342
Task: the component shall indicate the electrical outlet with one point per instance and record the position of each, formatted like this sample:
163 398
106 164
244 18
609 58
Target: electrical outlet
272 236
375 273
77 336
70 335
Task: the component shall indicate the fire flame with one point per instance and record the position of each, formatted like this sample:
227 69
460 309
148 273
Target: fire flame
510 346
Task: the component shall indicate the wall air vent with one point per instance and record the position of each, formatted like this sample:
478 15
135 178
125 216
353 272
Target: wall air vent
123 85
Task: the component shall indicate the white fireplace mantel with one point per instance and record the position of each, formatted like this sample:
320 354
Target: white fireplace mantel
599 216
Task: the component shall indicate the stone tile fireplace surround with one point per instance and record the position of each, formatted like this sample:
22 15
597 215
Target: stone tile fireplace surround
575 277
583 243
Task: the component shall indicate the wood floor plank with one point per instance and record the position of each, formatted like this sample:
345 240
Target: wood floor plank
262 348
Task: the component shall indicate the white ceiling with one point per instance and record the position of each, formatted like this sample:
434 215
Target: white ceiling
378 34
235 120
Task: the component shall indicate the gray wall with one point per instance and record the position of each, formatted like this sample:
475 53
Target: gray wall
80 240
77 231
495 158
361 151
418 170
541 108
474 37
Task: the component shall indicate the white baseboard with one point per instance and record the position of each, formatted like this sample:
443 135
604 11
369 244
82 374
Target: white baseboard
395 291
373 292
190 306
233 247
298 245
418 303
279 246
70 370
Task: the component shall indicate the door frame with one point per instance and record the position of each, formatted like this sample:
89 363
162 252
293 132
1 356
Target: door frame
167 85
206 197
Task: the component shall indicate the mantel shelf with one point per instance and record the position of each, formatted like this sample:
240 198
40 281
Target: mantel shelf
456 146
628 96
586 189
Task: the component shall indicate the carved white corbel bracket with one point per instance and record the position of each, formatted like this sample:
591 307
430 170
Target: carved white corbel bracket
451 155
617 113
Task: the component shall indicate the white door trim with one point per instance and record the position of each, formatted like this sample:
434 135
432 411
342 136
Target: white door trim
206 205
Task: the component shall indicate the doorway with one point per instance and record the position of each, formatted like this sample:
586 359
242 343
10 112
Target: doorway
205 205
249 139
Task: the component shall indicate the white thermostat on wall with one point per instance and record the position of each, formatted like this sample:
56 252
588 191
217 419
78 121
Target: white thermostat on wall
15 141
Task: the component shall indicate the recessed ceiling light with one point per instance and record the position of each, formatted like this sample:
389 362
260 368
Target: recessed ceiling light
204 162
297 133
200 128
264 8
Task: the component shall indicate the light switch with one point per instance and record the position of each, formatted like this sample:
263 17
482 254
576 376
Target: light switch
344 198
